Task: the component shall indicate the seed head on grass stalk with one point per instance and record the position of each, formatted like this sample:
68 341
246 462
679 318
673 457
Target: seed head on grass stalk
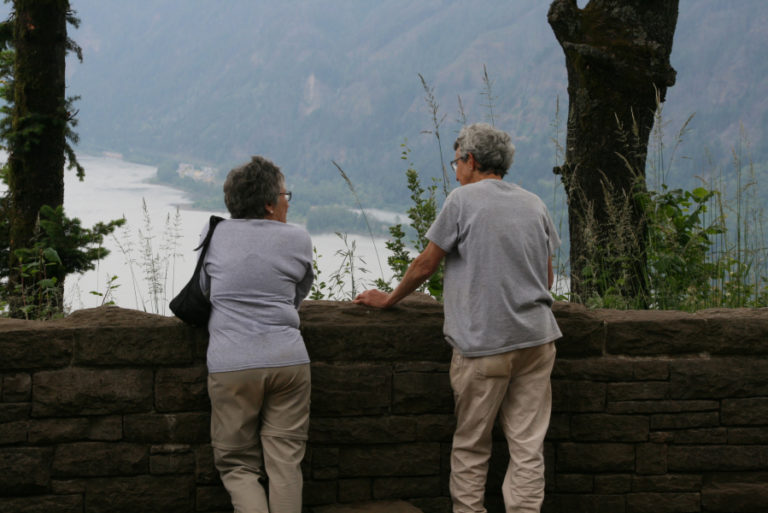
434 109
362 210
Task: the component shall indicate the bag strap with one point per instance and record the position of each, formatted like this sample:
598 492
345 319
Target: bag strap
211 226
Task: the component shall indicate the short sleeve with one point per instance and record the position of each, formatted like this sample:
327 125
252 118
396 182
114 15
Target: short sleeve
445 230
553 240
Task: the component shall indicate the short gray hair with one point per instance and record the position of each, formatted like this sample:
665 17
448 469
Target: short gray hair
249 188
492 148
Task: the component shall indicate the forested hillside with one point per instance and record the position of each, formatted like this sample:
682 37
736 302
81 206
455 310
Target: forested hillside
306 82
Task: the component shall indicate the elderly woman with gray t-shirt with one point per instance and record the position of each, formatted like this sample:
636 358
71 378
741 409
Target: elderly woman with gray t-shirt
258 269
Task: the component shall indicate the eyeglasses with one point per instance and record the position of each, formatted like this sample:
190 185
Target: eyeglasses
288 195
455 162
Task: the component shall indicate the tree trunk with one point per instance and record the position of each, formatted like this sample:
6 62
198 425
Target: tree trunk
37 139
617 57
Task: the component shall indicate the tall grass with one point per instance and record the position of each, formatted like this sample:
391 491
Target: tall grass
706 246
154 259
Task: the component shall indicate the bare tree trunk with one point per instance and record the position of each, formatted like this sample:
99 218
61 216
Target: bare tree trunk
37 141
617 57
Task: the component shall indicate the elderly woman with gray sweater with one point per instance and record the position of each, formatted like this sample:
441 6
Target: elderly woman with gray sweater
257 270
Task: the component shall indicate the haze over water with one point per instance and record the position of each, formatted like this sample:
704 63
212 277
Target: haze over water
114 188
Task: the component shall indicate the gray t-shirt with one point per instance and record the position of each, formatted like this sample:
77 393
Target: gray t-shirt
498 238
257 271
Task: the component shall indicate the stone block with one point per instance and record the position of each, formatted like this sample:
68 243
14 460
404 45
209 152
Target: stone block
651 370
212 498
16 388
609 428
139 493
355 490
417 459
736 331
583 331
12 412
68 486
29 347
574 483
108 428
638 391
205 469
76 391
667 483
752 411
577 396
686 420
650 332
42 504
97 459
719 378
319 492
435 428
405 487
351 389
182 389
662 406
61 430
171 459
369 507
717 458
340 331
559 427
48 431
593 369
742 492
321 456
422 392
180 428
692 436
142 344
651 459
14 432
586 458
663 502
25 470
752 435
611 484
584 503
354 430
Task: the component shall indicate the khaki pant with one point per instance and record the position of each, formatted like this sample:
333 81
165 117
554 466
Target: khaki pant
259 425
514 386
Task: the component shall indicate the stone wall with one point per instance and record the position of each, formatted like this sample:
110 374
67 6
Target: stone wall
107 411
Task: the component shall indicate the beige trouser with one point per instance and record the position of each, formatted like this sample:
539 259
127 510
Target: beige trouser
516 387
260 422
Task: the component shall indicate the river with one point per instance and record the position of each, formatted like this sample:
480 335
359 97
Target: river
114 188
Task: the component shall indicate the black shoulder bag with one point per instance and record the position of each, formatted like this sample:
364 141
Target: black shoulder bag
191 305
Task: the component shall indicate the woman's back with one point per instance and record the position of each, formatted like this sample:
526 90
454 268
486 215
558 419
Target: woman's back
257 271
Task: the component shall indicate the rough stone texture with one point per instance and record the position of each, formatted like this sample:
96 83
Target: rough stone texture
369 507
104 428
80 391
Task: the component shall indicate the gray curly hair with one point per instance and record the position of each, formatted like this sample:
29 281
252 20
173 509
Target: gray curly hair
249 188
492 148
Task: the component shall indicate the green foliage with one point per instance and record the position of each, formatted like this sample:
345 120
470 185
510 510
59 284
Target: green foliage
79 248
680 270
38 292
422 214
61 246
